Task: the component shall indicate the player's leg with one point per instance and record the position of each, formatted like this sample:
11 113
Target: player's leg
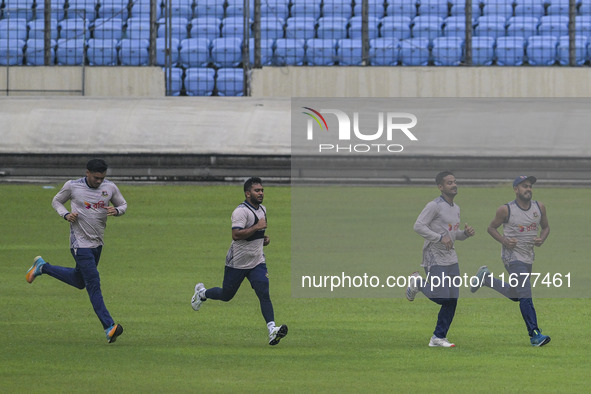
232 280
259 281
87 261
443 289
70 276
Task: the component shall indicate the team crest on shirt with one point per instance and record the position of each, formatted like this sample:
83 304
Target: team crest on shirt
105 193
535 214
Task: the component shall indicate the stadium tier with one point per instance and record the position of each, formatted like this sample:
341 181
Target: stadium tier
210 34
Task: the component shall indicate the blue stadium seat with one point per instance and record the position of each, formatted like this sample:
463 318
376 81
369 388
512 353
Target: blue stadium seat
447 51
530 8
310 8
583 25
226 51
289 52
414 52
384 51
350 52
19 9
199 81
178 27
492 19
233 26
375 9
332 27
205 27
337 8
356 24
458 7
114 9
214 8
58 11
553 25
266 51
585 8
502 7
510 51
401 7
454 29
13 28
175 85
321 51
230 82
11 51
102 52
395 26
490 29
35 52
81 9
581 51
138 28
558 7
74 29
433 7
300 27
521 27
428 27
195 52
134 52
178 8
236 8
278 9
272 27
162 47
107 28
70 52
541 50
483 52
141 9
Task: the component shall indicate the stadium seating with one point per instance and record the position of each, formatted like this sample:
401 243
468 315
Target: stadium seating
233 26
278 9
289 52
162 46
178 8
350 52
225 51
433 7
321 51
501 7
35 52
266 51
414 52
401 7
522 28
37 29
302 27
533 8
454 29
205 27
230 82
458 7
11 51
332 27
447 51
134 52
58 11
113 9
395 26
429 27
177 26
18 9
70 52
102 52
107 28
558 7
175 85
271 27
140 9
581 52
356 25
306 8
375 9
199 81
138 28
74 29
212 8
194 52
553 25
541 50
337 8
510 51
15 28
81 9
384 51
483 53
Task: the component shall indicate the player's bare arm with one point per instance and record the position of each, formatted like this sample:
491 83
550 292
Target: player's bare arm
500 217
243 233
469 230
538 241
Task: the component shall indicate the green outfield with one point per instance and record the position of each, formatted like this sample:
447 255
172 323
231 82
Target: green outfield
174 236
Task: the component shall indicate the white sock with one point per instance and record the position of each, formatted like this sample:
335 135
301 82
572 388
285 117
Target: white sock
202 294
271 326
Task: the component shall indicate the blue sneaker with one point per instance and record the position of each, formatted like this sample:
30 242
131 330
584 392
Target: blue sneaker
538 339
36 269
480 274
113 332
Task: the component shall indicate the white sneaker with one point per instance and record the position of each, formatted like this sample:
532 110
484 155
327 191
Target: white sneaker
277 333
413 289
440 342
196 301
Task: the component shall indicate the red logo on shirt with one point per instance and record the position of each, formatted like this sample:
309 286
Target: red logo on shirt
531 227
97 205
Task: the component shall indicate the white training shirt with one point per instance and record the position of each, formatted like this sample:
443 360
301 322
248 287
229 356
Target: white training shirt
91 206
522 225
247 253
437 219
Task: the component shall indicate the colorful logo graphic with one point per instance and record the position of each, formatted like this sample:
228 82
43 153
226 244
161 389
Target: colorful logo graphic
316 118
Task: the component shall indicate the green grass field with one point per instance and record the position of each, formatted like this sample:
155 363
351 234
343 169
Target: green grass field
174 236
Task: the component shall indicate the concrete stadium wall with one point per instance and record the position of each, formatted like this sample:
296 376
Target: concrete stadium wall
422 82
87 81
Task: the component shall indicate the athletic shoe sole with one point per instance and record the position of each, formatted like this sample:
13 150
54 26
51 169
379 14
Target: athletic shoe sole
280 334
544 342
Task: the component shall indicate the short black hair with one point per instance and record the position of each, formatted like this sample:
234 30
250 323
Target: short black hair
97 165
441 175
252 181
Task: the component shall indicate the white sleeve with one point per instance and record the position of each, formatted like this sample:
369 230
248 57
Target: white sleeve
422 224
119 202
60 199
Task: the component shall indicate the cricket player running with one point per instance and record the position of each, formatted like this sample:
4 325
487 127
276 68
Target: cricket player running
90 199
521 219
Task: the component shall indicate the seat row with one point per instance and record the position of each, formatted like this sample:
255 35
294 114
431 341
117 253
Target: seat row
206 82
